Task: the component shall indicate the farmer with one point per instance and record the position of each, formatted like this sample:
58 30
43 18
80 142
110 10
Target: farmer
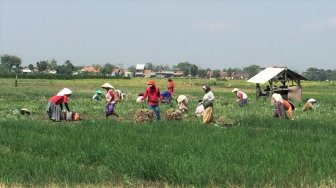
55 104
310 105
279 109
170 87
166 97
98 95
110 100
153 94
182 102
199 109
207 102
241 97
282 106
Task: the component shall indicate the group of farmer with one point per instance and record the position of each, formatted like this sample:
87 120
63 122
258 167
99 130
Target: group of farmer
204 109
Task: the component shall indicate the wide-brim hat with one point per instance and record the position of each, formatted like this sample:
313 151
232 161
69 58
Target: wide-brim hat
107 85
181 98
64 91
235 89
98 91
277 97
311 100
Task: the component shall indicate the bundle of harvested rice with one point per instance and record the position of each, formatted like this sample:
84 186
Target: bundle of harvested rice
142 115
173 114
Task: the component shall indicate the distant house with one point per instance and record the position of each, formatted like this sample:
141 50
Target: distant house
129 74
209 74
224 74
179 73
149 73
117 72
139 70
90 69
164 74
27 71
52 72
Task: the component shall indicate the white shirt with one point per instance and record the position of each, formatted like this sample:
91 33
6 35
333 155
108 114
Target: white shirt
209 97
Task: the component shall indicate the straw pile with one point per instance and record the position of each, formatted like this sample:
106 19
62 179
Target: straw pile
142 115
173 114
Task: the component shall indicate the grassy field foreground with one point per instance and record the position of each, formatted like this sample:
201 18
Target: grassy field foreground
257 151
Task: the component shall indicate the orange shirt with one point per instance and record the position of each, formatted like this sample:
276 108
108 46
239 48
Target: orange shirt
288 108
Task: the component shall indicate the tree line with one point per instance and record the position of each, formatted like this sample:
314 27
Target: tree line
12 64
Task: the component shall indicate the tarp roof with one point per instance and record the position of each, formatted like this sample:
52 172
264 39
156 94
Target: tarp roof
272 72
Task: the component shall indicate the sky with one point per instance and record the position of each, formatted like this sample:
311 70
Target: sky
214 34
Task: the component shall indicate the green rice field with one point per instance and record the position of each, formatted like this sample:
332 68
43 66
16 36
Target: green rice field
254 150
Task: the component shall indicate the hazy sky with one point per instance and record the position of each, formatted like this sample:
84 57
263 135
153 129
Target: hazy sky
212 34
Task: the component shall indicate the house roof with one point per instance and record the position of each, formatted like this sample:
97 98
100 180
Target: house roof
275 72
89 69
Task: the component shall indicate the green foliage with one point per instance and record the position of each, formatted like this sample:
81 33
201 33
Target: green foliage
42 65
257 151
320 74
8 62
188 68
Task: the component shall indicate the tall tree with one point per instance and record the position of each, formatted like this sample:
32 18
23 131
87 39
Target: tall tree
52 65
107 68
42 65
315 74
132 68
31 67
187 68
8 62
216 73
252 70
149 66
69 67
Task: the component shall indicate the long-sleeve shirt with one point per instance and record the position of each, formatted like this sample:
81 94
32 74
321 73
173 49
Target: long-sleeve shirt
153 95
208 98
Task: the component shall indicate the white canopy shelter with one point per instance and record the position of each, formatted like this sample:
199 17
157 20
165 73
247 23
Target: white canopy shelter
272 75
265 75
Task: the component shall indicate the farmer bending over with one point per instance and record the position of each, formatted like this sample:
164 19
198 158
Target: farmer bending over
241 97
55 104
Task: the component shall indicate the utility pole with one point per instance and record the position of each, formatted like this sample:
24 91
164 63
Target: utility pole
16 81
189 76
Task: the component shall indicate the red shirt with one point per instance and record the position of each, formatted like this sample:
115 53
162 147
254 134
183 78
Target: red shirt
171 87
59 99
153 96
